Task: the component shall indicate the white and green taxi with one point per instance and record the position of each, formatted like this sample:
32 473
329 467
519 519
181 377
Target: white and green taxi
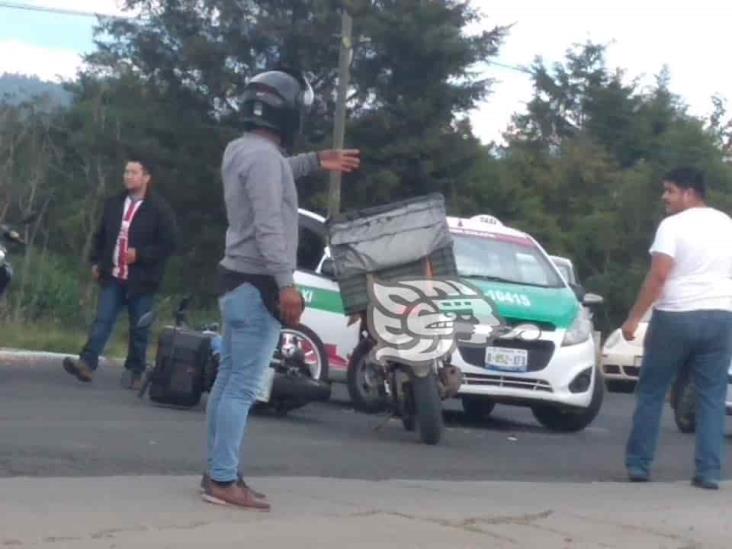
555 374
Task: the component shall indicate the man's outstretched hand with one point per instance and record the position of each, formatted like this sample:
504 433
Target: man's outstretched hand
341 160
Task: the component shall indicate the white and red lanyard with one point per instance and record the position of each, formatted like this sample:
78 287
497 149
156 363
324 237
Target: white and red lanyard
121 269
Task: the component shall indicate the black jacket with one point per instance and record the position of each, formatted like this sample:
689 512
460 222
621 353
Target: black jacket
153 233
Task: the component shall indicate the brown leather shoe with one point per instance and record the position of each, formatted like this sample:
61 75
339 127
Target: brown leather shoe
78 369
234 495
206 480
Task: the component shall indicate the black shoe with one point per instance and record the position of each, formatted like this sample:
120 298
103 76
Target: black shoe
705 484
79 369
131 380
136 382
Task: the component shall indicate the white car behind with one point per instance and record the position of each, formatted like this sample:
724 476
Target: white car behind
621 359
621 363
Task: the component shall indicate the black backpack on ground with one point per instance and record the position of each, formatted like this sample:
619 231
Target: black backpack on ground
181 362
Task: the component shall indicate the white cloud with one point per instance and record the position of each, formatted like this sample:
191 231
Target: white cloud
642 37
106 7
48 64
52 63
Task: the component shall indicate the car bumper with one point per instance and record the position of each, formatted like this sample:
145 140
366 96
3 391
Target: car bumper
621 367
550 384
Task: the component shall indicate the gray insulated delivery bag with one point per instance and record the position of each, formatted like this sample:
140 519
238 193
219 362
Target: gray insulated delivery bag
390 241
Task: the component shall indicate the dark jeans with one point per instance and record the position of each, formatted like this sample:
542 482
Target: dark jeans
112 299
702 341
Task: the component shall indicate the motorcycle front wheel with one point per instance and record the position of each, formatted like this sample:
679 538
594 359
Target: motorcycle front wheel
427 407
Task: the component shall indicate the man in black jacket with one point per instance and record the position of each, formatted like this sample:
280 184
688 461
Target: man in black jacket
136 235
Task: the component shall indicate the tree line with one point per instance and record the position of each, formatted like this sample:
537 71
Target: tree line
579 168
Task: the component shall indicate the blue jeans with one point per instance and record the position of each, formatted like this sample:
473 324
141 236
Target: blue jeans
112 299
701 341
250 336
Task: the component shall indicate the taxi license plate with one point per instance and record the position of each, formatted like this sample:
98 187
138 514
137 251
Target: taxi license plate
507 360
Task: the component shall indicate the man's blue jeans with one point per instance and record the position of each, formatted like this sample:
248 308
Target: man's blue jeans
250 336
112 299
702 341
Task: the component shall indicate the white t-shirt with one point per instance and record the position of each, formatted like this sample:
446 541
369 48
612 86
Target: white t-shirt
700 241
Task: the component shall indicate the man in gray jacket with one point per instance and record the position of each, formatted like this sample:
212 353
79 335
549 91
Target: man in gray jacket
256 285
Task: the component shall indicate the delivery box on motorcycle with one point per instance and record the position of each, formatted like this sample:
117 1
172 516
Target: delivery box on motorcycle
402 240
389 242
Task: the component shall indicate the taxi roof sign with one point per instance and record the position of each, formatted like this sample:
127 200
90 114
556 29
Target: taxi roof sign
486 219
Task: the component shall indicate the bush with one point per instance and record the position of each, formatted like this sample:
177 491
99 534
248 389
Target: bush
46 287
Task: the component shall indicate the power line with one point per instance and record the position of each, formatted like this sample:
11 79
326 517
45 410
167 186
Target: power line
62 11
510 67
81 13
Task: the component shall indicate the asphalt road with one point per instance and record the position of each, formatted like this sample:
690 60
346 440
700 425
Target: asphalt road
51 425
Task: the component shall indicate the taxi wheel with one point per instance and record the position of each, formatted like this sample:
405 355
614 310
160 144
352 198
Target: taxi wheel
477 408
569 420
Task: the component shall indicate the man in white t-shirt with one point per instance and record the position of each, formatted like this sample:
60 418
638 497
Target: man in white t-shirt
689 286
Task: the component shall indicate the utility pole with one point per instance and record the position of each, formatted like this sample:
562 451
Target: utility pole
339 125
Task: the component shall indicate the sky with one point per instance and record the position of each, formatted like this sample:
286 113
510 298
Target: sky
642 36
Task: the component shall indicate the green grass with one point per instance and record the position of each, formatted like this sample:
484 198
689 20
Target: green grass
55 338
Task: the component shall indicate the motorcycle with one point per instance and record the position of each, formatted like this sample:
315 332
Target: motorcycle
414 394
288 383
403 240
682 399
10 236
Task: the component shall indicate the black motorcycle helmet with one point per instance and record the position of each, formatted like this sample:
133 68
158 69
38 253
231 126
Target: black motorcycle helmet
277 100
